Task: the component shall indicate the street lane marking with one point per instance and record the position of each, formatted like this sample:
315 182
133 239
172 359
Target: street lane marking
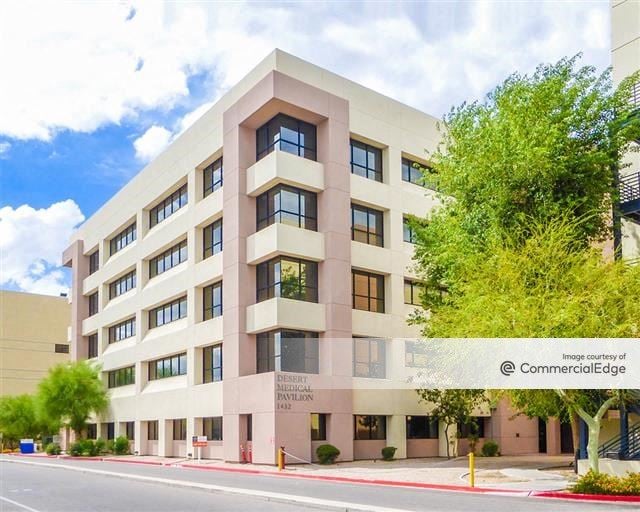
18 504
269 496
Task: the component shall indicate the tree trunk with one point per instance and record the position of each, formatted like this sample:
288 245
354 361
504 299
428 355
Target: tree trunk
446 436
575 429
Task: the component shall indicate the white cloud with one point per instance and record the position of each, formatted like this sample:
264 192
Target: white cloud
151 143
31 245
79 66
4 149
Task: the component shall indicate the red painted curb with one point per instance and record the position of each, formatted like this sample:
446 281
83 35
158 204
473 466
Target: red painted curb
586 497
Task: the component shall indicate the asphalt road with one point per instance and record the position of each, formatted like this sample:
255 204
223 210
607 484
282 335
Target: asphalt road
51 489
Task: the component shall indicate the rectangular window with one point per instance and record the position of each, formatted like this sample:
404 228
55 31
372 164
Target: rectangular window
111 431
168 206
168 313
168 259
474 428
212 176
288 134
94 261
93 303
152 430
289 278
366 160
318 427
180 429
212 363
123 330
121 240
212 428
422 427
408 231
287 351
413 292
61 348
92 431
369 358
212 301
367 225
212 239
122 377
368 291
370 428
122 285
168 367
284 204
130 430
92 349
415 354
249 427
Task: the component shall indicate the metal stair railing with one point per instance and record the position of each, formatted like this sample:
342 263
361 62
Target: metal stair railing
614 449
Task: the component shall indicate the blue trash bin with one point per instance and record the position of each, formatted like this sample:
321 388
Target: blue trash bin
27 446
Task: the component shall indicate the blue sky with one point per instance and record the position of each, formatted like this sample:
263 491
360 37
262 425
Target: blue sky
90 92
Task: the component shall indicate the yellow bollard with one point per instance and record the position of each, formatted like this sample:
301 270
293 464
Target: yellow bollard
472 470
281 458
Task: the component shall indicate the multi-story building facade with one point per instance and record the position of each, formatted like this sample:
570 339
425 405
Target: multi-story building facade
248 283
29 348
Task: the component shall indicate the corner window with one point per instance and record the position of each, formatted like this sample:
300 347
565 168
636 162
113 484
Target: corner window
413 292
168 259
370 428
287 351
168 206
422 427
168 367
288 134
122 377
318 427
212 239
366 160
288 278
93 303
367 291
123 330
287 205
367 225
212 301
212 428
168 313
126 237
180 429
94 261
122 285
212 364
369 358
212 176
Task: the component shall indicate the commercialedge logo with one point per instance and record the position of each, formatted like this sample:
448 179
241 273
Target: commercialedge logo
508 368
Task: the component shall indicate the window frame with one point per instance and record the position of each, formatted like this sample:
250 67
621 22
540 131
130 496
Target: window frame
274 289
122 284
180 304
180 429
416 292
215 310
319 433
169 205
94 261
381 433
209 181
213 425
274 138
428 431
176 254
123 239
61 348
152 430
408 233
215 247
130 430
212 372
307 202
94 305
121 377
92 345
366 170
413 348
375 369
369 212
122 330
380 301
269 351
174 365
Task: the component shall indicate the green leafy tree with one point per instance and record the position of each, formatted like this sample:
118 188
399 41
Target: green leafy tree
453 406
71 393
20 418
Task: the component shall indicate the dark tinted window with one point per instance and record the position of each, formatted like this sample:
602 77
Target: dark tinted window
212 363
367 225
366 160
212 239
287 205
286 134
368 291
212 176
287 351
212 301
168 206
288 278
370 427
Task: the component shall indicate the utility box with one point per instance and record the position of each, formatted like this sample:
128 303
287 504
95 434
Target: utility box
27 446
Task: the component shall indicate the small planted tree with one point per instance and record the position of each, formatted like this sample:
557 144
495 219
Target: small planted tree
71 393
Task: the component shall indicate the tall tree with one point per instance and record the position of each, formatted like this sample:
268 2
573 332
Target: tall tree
20 418
71 393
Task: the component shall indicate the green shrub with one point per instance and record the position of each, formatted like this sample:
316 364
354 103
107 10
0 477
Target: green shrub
109 446
388 452
101 446
53 449
601 483
121 446
76 449
489 449
327 453
89 448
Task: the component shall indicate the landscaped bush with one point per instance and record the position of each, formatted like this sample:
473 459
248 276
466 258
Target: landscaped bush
101 446
327 453
89 448
601 483
121 446
76 449
489 449
388 452
53 449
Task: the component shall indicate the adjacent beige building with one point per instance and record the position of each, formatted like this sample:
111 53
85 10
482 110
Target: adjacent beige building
251 283
34 336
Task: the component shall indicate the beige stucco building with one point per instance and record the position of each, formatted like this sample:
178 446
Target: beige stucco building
33 338
261 313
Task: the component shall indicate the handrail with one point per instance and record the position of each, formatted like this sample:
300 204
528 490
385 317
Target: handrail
614 445
629 188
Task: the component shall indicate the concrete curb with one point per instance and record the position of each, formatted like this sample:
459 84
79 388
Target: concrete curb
606 498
